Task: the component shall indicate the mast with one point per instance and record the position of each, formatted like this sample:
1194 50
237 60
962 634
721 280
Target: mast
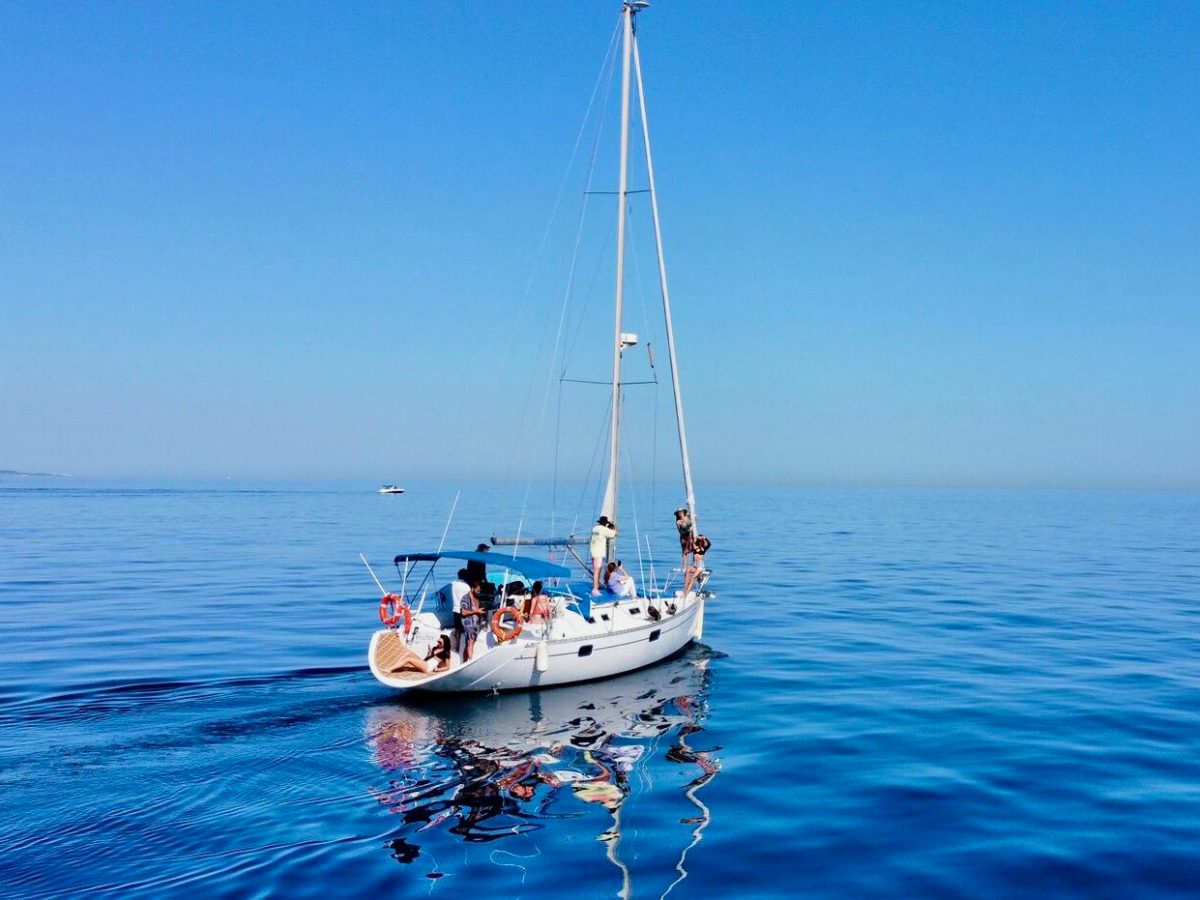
614 447
666 295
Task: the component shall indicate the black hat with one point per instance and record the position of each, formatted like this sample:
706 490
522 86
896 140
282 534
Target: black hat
603 520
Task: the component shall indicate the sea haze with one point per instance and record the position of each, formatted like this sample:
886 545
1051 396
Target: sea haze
898 693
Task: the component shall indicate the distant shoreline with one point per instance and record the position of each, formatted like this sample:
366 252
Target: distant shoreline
33 474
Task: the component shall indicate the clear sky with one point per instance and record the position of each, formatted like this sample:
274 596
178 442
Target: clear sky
930 243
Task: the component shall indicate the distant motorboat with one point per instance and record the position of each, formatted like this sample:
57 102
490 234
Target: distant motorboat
391 489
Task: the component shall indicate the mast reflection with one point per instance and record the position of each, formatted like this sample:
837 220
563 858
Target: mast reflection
488 768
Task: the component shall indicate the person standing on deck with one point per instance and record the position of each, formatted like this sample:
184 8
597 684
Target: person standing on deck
700 546
459 589
538 607
683 522
478 570
472 615
602 532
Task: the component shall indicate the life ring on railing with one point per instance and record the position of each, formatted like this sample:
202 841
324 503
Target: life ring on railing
507 634
392 609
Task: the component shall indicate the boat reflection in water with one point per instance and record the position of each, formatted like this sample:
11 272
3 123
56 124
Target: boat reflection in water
565 763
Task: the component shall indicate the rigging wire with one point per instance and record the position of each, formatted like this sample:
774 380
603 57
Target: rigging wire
640 294
572 273
593 469
608 64
653 456
640 288
557 447
599 268
561 354
637 534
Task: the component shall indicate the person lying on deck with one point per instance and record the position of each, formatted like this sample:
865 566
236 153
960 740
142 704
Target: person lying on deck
436 660
439 653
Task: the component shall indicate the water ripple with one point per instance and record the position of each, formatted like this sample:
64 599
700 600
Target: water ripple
899 693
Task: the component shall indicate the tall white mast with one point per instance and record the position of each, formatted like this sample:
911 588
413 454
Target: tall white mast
614 446
666 295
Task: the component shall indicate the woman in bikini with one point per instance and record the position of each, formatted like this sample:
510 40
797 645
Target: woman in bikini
439 653
699 547
538 609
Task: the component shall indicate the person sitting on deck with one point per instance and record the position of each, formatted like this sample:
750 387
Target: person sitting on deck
618 581
514 593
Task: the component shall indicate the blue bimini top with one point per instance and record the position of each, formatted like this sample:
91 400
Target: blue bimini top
523 565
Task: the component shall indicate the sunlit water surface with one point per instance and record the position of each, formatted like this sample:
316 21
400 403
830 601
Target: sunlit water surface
899 693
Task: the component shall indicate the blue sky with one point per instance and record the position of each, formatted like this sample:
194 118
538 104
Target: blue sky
919 243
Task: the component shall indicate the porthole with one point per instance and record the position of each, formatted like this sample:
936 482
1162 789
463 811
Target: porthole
585 650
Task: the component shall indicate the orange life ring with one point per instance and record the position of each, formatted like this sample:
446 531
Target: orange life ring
392 609
507 634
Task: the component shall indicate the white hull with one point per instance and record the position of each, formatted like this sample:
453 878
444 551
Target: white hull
633 708
627 642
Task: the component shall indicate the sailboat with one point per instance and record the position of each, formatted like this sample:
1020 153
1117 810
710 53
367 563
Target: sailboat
577 635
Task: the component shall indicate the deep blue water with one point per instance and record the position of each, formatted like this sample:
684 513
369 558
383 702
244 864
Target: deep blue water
900 693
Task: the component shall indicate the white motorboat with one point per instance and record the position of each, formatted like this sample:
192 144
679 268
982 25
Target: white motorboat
581 636
391 489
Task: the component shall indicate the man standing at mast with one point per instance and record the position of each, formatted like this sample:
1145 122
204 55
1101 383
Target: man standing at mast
603 531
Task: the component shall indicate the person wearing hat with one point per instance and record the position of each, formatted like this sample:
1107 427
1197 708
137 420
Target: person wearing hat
683 521
478 571
602 532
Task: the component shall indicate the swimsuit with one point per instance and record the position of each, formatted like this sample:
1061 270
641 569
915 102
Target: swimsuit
685 535
470 627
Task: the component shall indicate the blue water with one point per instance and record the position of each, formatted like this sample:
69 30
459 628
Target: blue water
899 693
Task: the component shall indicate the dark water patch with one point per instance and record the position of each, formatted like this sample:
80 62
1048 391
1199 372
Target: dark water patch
222 730
103 699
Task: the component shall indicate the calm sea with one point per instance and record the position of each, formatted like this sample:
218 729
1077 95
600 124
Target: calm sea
900 693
